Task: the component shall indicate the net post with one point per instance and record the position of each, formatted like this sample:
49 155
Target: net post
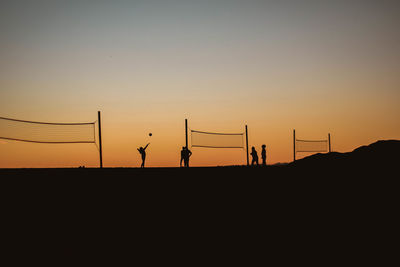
186 133
247 146
100 144
294 145
329 142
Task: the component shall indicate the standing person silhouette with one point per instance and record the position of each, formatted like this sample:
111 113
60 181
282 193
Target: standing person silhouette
188 153
264 156
182 155
142 152
254 156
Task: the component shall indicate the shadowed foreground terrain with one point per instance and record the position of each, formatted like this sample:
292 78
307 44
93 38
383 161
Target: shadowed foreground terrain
333 206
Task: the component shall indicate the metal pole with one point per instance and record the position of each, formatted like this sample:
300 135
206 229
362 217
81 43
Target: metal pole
294 145
186 133
247 147
329 141
100 144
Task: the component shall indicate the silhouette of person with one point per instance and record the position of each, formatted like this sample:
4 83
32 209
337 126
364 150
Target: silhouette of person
187 155
182 155
142 152
254 156
264 156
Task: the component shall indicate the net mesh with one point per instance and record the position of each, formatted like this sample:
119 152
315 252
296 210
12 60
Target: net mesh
311 145
44 132
216 140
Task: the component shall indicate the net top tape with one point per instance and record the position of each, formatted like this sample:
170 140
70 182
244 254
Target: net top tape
217 146
49 123
194 131
299 140
48 142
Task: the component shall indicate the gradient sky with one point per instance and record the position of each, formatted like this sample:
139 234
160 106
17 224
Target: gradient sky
316 66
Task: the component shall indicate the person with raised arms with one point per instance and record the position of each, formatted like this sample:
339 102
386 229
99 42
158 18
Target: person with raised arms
142 152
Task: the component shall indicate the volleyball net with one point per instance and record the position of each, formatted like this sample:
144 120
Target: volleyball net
52 132
216 140
47 132
311 145
302 145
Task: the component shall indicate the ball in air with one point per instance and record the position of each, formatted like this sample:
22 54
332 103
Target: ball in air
150 134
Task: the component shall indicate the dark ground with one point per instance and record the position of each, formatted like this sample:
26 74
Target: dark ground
322 209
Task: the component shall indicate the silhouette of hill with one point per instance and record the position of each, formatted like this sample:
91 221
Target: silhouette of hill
379 156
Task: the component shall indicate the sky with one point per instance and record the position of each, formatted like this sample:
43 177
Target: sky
315 66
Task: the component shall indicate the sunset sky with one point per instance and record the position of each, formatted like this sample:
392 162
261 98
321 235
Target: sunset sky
315 66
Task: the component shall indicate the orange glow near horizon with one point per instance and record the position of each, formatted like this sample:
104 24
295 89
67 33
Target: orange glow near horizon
147 65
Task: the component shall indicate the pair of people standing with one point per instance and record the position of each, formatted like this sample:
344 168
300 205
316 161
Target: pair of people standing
254 156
